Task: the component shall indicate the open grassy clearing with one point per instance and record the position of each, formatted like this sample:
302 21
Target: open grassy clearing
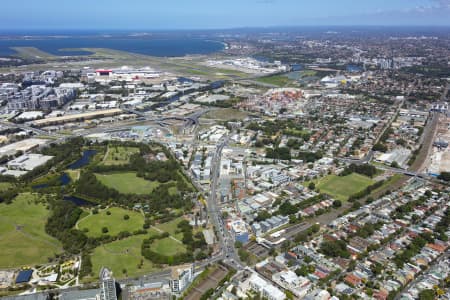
225 114
32 52
168 247
231 72
195 72
295 132
115 222
391 182
278 80
73 174
171 228
45 178
116 58
197 67
127 183
120 255
23 240
342 187
173 190
5 185
186 180
308 73
119 155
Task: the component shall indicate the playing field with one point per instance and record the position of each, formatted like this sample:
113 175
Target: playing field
127 183
114 222
168 247
23 241
120 255
342 188
118 155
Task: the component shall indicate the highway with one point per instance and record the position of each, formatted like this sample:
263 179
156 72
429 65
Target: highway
28 128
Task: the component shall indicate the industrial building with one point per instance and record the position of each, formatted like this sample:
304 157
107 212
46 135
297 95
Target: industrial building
76 117
24 146
399 155
28 162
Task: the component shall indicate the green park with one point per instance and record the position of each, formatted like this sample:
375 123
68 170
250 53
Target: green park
122 255
276 80
114 219
118 155
127 182
106 230
342 187
23 239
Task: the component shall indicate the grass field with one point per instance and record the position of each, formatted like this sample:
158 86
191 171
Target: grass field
173 190
114 222
171 228
73 174
31 52
180 65
295 132
342 188
278 80
23 241
127 183
195 72
119 155
225 114
391 182
120 255
168 247
4 186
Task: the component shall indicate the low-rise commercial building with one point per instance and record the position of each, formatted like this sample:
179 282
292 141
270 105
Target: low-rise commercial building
265 289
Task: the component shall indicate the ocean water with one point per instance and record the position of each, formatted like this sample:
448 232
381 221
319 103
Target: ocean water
167 47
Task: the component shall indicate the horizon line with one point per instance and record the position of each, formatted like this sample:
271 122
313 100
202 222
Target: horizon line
12 30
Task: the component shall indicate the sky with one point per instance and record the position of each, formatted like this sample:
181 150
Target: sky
216 14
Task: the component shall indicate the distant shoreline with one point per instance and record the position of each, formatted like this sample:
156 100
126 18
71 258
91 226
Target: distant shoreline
145 45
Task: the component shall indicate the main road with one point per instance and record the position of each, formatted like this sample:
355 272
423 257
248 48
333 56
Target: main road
226 241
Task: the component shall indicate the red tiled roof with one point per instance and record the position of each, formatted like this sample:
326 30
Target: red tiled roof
352 279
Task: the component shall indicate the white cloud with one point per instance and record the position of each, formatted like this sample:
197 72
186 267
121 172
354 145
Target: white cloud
441 4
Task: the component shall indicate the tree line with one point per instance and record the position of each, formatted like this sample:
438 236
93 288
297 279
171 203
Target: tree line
193 244
364 169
